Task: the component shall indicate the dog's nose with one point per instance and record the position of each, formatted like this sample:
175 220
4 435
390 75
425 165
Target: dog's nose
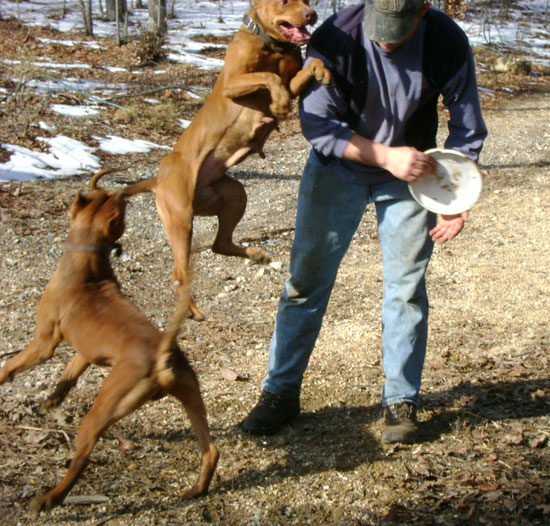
311 17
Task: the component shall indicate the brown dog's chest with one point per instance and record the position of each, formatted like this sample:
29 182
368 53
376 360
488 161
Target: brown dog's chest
285 65
87 323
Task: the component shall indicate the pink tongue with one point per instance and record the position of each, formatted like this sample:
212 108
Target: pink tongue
294 34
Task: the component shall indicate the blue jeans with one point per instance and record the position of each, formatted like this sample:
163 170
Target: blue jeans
329 212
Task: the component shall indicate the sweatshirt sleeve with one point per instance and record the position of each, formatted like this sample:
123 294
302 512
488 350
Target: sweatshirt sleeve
321 115
467 129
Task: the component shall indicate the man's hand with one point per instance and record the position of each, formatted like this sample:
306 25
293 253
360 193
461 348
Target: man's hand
408 164
448 226
404 162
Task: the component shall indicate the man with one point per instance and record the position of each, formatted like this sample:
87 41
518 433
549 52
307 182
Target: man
390 60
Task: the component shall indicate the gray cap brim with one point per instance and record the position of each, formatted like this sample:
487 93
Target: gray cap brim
384 27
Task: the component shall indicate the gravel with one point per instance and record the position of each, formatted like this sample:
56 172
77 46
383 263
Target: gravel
486 393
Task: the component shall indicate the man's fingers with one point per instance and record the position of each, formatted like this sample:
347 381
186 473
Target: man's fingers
445 232
422 165
436 234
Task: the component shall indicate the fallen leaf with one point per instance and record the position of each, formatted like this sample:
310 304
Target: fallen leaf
232 376
488 487
394 514
493 496
514 439
539 442
126 444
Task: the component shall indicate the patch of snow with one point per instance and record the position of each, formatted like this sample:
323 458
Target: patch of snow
66 157
525 30
120 146
74 111
45 126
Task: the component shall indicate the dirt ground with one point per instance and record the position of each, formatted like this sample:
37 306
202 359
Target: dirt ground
484 457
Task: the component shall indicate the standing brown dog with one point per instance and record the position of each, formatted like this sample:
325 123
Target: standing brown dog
83 304
261 74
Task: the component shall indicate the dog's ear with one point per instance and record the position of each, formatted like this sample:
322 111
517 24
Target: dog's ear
78 204
112 216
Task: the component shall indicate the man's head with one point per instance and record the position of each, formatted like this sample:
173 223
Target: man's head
392 22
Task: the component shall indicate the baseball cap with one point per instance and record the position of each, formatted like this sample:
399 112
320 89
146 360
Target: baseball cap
389 20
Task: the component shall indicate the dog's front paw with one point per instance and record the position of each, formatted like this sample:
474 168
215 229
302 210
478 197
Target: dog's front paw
279 110
38 504
52 401
280 101
192 493
258 255
320 72
7 372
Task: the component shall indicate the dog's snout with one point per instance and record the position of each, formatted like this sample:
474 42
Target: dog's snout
311 16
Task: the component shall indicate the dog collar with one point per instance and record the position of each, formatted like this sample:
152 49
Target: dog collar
98 247
253 27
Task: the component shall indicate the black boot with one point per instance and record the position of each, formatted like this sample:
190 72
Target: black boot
270 414
400 424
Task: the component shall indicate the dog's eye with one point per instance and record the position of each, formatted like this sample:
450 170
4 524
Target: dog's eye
284 2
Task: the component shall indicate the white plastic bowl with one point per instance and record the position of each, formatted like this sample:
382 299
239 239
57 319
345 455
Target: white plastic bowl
455 186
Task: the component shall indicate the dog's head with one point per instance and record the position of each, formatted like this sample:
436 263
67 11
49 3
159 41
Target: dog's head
98 215
285 20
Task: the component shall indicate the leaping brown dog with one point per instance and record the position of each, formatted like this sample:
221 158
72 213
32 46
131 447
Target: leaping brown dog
84 305
261 74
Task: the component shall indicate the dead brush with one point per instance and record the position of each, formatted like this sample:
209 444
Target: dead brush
150 48
162 117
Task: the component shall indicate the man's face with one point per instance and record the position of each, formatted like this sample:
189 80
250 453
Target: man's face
390 47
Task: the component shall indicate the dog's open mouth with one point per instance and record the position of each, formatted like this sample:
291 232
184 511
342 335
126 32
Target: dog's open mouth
295 34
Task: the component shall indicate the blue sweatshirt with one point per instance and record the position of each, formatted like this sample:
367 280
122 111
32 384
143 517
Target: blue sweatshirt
390 97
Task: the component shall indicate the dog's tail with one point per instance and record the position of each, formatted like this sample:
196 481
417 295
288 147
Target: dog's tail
140 187
98 175
148 185
168 339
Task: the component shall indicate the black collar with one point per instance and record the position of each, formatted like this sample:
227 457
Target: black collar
94 248
253 27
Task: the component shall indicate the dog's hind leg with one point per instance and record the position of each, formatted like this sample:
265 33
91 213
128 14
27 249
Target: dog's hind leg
226 199
174 200
185 387
67 381
125 389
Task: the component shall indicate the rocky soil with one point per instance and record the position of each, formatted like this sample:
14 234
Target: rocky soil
484 457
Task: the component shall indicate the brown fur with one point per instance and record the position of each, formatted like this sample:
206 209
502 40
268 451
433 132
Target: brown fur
83 305
253 90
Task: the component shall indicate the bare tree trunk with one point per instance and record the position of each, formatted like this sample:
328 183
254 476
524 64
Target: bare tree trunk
87 17
117 18
121 40
115 7
171 12
156 22
126 27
